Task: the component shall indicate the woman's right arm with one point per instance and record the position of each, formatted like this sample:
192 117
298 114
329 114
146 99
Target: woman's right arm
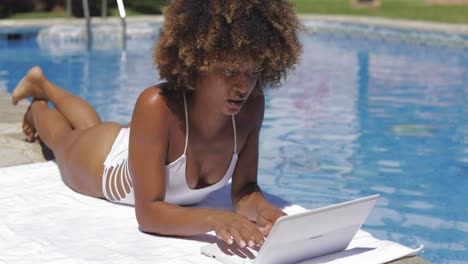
149 137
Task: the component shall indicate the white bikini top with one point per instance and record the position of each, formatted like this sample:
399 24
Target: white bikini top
177 190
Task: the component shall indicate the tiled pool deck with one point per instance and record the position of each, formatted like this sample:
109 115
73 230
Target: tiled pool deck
14 150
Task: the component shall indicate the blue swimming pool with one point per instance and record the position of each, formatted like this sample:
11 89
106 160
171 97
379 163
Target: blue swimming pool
362 114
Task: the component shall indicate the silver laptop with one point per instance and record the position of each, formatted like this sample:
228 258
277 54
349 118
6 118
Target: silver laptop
302 236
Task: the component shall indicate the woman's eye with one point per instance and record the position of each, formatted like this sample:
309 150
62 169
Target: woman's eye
256 72
232 73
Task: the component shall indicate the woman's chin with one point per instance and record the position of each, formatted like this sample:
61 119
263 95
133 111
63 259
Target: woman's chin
231 111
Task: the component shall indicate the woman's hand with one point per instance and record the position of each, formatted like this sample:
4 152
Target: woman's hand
232 227
267 215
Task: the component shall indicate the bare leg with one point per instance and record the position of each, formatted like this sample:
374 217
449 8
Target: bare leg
79 113
74 132
50 124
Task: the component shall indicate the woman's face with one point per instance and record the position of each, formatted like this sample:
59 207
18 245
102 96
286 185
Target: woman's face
227 87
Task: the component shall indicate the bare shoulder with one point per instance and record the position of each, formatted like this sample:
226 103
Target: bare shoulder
153 104
151 110
151 97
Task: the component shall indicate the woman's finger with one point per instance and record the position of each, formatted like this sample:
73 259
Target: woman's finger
224 235
253 233
262 221
248 236
265 230
234 231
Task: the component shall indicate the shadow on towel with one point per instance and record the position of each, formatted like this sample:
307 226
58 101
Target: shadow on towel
221 200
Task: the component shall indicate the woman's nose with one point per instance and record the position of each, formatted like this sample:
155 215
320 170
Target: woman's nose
240 92
241 85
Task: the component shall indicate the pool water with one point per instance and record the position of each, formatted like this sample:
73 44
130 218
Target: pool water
360 115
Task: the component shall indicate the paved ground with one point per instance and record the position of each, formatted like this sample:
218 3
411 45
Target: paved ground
14 150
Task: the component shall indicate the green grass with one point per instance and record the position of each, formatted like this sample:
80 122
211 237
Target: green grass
403 9
128 12
40 15
36 15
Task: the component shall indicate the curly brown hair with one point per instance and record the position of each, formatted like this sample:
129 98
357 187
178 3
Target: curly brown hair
198 32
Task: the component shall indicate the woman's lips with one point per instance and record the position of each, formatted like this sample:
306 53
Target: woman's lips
236 103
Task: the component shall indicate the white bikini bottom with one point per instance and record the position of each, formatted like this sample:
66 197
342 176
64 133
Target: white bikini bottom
117 184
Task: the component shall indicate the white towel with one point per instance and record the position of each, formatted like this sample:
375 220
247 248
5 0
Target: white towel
44 221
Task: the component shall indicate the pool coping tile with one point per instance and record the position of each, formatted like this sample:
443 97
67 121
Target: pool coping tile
361 20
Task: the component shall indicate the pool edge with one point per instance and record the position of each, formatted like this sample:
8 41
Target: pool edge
361 20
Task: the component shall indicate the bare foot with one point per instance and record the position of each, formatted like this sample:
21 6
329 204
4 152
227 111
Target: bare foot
29 86
30 132
29 129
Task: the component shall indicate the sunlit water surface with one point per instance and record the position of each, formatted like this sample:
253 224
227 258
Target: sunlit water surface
360 115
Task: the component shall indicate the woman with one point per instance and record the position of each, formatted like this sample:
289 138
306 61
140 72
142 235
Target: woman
189 135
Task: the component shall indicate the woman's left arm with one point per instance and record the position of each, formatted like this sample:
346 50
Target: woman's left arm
246 195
